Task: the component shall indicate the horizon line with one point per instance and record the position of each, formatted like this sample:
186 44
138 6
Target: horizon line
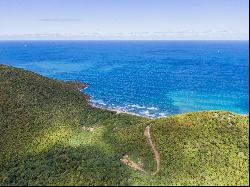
124 40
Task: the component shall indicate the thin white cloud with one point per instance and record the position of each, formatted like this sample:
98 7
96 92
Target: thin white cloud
60 20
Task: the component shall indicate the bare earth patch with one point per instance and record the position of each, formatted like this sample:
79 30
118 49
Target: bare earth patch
125 159
89 129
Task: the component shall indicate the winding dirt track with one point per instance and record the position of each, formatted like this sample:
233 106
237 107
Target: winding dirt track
153 147
139 166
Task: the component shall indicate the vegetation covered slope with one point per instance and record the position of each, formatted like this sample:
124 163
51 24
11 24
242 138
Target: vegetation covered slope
51 136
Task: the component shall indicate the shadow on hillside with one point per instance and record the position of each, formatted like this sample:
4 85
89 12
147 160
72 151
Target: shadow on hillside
84 165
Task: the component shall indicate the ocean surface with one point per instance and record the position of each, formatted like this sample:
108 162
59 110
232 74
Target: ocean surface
149 78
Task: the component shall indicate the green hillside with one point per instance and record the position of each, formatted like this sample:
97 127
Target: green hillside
51 136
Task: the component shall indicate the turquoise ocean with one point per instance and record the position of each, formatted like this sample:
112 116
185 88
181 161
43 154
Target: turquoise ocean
149 78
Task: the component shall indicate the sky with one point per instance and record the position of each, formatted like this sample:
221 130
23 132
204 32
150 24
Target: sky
124 19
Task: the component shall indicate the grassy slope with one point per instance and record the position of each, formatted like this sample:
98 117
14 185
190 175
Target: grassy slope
43 142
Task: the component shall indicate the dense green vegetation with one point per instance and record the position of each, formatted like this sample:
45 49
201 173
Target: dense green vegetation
51 136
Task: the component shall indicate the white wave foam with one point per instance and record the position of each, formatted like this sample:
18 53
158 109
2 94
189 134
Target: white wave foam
99 101
146 112
162 114
134 109
137 106
152 108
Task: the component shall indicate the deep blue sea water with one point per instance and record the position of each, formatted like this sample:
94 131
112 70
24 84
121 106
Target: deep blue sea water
150 78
